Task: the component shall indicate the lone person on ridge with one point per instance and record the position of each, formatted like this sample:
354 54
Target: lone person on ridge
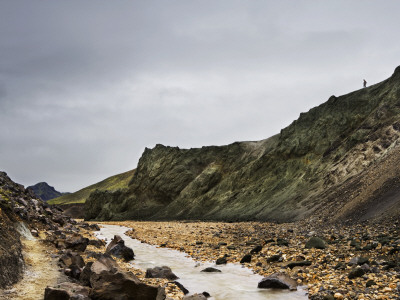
365 83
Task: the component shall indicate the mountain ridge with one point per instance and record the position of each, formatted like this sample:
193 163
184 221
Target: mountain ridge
44 191
282 178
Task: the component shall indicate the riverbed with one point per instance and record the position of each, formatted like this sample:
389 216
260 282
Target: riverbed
234 281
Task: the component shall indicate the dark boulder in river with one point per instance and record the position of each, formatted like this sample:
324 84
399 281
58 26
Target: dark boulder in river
161 272
278 281
118 249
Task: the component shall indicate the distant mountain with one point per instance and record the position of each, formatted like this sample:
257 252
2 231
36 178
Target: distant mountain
339 161
45 191
113 183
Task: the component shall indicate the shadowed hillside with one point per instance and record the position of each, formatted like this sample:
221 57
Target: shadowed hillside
337 158
45 191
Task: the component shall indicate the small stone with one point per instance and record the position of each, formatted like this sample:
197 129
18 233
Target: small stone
338 296
356 272
246 259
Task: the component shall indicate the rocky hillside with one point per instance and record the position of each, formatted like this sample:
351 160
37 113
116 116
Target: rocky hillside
337 161
45 191
20 206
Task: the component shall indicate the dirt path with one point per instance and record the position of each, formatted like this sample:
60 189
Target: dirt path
41 271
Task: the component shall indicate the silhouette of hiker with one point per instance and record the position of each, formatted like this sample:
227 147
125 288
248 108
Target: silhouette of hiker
365 83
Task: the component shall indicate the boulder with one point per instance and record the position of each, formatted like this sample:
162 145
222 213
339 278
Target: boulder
118 249
71 258
97 243
161 272
67 291
120 285
108 282
315 242
278 281
104 263
76 242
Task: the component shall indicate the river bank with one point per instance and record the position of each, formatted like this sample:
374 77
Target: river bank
355 262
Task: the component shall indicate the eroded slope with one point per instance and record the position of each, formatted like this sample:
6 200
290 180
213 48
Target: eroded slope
289 176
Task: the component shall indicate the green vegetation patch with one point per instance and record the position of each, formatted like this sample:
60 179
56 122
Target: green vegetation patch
113 183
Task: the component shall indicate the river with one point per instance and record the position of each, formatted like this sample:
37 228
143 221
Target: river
234 282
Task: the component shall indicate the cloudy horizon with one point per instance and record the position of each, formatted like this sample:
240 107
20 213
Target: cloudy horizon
85 86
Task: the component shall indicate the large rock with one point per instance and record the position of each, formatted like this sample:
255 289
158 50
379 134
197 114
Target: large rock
161 272
108 282
121 285
97 243
71 258
67 291
76 242
118 249
104 263
278 281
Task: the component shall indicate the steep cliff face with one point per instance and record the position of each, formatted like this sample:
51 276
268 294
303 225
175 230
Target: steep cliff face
283 178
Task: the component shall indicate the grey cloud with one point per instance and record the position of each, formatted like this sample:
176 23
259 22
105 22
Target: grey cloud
85 86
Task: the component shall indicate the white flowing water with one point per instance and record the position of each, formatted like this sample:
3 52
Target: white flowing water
234 282
24 231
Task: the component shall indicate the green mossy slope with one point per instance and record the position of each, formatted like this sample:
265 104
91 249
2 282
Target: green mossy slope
112 183
283 178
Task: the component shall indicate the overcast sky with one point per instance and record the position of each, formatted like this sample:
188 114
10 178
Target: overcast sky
85 86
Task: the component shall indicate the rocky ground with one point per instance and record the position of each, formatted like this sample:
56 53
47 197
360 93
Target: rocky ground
47 255
334 262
